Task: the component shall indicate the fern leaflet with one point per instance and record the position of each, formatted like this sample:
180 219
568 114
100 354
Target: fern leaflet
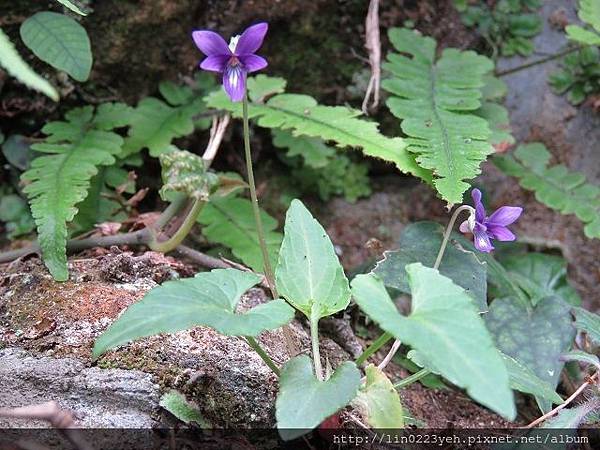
589 12
436 101
556 187
60 179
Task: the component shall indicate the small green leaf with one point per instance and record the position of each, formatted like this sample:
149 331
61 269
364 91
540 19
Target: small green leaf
72 6
209 299
589 323
18 68
112 115
60 41
17 151
261 87
177 404
581 35
446 329
303 402
523 379
582 357
420 242
536 337
229 221
313 151
379 402
309 275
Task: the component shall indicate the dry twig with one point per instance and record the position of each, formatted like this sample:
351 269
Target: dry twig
373 45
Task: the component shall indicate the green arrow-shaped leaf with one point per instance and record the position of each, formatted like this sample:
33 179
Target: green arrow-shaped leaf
523 379
303 402
379 402
309 274
209 299
445 327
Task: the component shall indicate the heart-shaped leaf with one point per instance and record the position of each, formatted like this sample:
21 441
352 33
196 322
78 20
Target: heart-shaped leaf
446 328
60 41
309 274
303 402
420 242
208 299
536 337
589 323
379 402
540 276
523 379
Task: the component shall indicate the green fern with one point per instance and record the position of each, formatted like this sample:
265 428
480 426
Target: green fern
15 66
437 101
589 12
156 123
494 112
60 179
556 187
303 116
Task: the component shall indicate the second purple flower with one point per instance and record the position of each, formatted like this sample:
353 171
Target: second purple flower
235 60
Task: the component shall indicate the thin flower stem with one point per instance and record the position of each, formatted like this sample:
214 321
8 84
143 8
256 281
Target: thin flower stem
314 338
182 231
371 349
266 358
448 232
412 378
390 355
255 208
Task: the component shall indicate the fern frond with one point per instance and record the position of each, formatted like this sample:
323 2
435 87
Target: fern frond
303 116
436 100
555 186
18 68
495 113
589 12
156 122
59 180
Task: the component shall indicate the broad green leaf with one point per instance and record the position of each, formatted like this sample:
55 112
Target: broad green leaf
209 299
303 116
436 100
229 221
540 276
177 404
582 357
379 402
523 379
18 68
420 242
309 275
536 337
303 402
589 323
445 327
187 173
556 187
72 6
314 152
60 41
60 179
581 35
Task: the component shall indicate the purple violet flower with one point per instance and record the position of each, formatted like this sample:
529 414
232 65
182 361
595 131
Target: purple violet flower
235 60
486 228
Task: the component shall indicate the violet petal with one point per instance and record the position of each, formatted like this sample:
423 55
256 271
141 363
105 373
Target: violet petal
252 63
234 82
505 215
210 43
464 227
215 63
482 242
479 208
501 233
251 39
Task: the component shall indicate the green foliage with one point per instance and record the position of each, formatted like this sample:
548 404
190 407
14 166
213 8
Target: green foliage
177 404
17 151
15 214
72 6
494 112
582 357
378 401
187 173
436 100
420 242
319 168
60 41
573 417
508 26
60 179
304 117
589 323
18 68
229 221
523 379
446 329
589 12
303 402
579 76
209 299
309 275
555 186
536 337
155 123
